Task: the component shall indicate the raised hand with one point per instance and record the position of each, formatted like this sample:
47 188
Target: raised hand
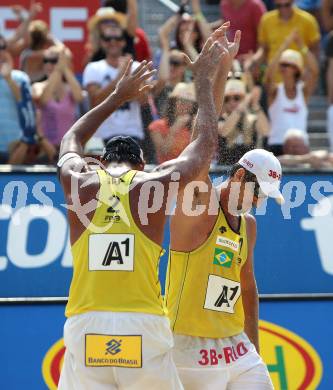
133 86
208 59
220 36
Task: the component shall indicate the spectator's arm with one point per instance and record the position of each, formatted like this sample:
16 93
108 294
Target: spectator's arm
311 79
74 85
6 73
19 154
169 26
132 17
204 26
326 14
262 123
44 95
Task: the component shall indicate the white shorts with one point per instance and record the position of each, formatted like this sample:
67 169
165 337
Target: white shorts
231 363
106 350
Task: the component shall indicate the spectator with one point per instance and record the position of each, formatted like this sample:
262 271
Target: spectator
288 100
276 25
296 151
31 59
11 82
19 41
190 32
237 13
124 15
142 48
172 133
171 72
327 17
243 124
57 96
100 79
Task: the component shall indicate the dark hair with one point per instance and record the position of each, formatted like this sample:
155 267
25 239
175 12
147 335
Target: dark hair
123 149
118 5
197 43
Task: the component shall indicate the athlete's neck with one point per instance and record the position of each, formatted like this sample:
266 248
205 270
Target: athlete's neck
118 169
225 202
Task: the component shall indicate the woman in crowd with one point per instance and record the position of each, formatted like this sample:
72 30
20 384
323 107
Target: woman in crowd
243 123
31 58
172 133
171 72
57 96
288 100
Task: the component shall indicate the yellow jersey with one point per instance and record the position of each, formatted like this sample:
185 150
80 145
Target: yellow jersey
203 294
115 265
272 30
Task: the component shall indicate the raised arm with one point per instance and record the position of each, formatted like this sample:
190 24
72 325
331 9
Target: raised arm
195 160
204 26
128 88
132 17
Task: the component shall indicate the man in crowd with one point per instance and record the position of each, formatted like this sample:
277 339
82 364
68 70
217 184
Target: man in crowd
276 25
100 79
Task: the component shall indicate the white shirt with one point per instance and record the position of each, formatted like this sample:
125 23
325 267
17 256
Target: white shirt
127 119
285 114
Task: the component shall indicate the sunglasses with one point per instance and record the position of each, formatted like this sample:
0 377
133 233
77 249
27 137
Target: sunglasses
50 60
285 65
283 5
235 98
109 38
176 63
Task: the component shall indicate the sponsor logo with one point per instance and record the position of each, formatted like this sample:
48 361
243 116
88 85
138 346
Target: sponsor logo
222 229
248 163
113 347
221 294
125 351
226 242
227 355
292 362
223 257
52 364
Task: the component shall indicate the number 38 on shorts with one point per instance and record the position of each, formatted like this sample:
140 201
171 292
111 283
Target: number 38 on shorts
221 294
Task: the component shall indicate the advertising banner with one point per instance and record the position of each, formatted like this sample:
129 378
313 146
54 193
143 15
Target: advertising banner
296 346
293 254
67 20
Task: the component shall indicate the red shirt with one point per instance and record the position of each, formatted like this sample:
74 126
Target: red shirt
245 18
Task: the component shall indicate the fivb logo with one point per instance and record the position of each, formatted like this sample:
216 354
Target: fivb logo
111 252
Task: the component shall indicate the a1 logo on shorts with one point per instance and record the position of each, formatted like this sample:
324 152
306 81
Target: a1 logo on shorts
221 294
111 252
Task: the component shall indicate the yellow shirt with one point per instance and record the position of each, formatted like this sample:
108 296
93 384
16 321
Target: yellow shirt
115 264
203 294
273 31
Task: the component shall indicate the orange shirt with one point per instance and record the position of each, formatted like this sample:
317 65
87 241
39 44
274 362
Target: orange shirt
180 140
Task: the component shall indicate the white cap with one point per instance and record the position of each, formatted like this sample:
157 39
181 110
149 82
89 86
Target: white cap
267 169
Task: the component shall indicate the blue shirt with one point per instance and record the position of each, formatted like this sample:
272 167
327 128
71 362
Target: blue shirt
10 127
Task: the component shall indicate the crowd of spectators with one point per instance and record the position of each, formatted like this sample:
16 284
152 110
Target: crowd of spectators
285 56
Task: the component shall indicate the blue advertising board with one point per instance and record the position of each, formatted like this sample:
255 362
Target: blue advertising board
293 254
296 346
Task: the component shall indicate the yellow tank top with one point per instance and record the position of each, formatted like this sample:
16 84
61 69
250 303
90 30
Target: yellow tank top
115 265
203 294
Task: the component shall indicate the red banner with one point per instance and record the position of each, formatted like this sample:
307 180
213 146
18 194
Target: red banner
67 20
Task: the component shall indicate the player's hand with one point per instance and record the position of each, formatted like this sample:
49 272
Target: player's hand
220 35
206 63
134 86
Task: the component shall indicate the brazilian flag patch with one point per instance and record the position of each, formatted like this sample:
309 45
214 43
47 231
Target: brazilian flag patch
223 257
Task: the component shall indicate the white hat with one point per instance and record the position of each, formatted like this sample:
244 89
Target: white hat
107 13
235 87
267 169
292 57
184 91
